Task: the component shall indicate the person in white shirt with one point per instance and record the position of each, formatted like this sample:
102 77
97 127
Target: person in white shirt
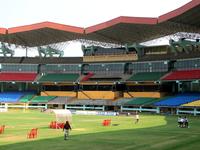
137 117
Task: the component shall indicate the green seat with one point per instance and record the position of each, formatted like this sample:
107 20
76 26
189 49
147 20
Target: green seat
140 101
42 99
26 98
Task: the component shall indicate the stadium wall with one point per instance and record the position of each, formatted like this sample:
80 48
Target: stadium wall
58 93
98 95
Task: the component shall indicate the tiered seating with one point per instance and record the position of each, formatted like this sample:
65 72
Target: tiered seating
140 101
13 76
63 68
81 102
61 100
108 68
102 102
183 75
42 99
147 76
51 60
53 77
193 104
26 98
19 68
178 100
121 101
153 66
11 96
187 64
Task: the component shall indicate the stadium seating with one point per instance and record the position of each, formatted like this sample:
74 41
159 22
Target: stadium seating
59 77
11 96
183 75
121 101
153 66
61 100
178 100
31 68
42 99
13 76
63 68
26 98
187 64
147 76
140 101
193 104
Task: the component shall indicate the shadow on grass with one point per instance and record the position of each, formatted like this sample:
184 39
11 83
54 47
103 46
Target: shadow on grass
165 137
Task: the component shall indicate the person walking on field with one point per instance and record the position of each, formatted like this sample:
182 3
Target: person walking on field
66 129
136 117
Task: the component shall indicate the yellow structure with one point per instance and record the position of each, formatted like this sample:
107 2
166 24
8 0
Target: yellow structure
98 95
144 94
58 93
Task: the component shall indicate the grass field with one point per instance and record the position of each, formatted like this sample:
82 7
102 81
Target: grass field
152 132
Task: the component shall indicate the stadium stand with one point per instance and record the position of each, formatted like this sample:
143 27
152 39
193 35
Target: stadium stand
42 99
56 77
7 97
50 60
183 75
14 76
187 64
193 104
61 100
121 101
140 101
61 68
178 100
146 76
26 98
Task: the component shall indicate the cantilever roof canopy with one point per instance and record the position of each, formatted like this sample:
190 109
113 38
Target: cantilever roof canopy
137 29
43 34
2 33
120 30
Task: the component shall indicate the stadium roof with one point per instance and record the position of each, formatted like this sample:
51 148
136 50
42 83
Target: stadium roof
120 30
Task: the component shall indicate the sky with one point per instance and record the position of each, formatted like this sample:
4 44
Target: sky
81 13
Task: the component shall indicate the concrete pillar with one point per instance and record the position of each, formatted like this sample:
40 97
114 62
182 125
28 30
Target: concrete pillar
195 111
157 110
177 111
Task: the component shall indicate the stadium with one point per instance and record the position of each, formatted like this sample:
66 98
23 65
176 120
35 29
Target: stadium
117 76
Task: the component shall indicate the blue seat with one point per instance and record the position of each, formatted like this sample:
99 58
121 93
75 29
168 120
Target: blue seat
178 100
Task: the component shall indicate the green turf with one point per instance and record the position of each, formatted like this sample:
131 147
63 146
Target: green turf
153 132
